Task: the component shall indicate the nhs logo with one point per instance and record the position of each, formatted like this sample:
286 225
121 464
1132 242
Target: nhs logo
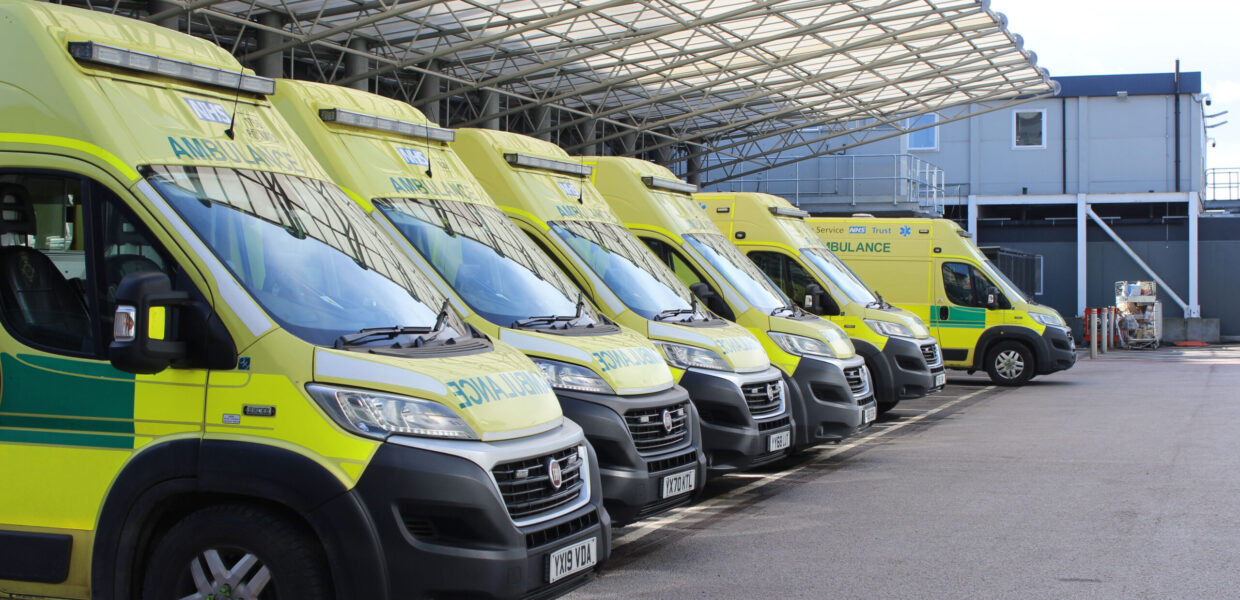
209 111
569 189
413 156
856 229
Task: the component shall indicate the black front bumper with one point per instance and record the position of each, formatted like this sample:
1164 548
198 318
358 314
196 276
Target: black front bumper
1057 351
732 438
899 371
633 480
822 403
443 529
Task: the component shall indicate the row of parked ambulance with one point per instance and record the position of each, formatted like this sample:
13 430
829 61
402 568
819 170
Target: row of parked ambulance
282 339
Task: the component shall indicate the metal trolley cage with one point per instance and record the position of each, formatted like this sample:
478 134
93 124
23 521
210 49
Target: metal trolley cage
1140 313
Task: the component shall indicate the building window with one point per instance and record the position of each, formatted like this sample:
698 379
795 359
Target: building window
926 139
1029 129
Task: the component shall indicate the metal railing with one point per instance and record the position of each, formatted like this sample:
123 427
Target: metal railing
1223 185
900 180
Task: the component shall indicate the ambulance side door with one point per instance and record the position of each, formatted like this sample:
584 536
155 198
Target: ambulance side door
69 421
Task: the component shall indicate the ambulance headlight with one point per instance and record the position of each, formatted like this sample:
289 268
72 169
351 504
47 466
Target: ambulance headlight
565 376
378 414
801 345
889 329
682 356
1051 320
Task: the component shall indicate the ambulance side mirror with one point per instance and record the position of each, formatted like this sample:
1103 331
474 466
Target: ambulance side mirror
144 325
992 298
710 298
814 295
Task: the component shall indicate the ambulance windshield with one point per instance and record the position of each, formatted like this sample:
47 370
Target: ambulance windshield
745 276
840 275
494 267
641 281
312 258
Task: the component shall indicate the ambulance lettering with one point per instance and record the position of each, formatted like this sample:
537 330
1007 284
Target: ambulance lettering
860 247
484 389
623 358
227 151
429 188
733 345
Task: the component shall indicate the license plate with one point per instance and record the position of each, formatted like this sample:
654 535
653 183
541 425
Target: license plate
869 415
779 441
940 380
679 483
575 558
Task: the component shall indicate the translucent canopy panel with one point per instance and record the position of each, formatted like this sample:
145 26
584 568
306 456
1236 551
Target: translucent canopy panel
659 79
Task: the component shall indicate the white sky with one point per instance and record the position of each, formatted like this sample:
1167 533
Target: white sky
1107 37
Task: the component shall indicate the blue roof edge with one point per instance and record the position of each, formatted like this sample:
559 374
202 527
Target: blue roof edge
1136 84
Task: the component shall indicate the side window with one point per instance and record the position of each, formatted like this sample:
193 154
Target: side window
958 283
792 278
688 275
125 246
65 244
43 300
772 264
966 285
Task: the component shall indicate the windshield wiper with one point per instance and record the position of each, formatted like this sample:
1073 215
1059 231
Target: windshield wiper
879 303
552 319
791 308
371 334
377 333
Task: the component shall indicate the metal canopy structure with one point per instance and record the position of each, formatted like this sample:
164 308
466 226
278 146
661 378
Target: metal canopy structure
714 88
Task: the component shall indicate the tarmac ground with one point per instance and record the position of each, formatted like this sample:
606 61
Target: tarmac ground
1119 478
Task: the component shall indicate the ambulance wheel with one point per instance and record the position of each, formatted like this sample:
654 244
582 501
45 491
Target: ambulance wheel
1009 363
237 552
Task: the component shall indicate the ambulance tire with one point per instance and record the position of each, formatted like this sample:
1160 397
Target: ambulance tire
1010 363
226 536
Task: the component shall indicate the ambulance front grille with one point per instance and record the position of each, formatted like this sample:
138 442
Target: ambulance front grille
859 382
526 484
932 355
653 432
764 399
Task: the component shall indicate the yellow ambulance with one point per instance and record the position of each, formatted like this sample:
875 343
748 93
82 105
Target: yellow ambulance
903 358
931 268
220 378
830 389
741 399
609 379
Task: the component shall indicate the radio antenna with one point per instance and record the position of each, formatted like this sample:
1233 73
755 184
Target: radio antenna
427 143
232 119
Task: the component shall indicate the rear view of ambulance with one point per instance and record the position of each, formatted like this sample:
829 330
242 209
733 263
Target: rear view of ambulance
220 378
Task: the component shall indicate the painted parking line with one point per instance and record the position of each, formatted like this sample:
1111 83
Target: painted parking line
760 480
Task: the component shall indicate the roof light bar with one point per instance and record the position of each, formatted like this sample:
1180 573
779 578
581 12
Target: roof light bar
133 60
365 121
789 212
671 185
549 164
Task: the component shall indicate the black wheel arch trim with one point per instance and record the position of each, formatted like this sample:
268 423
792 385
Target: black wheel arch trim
999 333
158 475
881 376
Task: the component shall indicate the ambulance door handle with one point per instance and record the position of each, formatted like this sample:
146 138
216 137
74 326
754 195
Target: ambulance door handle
942 312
